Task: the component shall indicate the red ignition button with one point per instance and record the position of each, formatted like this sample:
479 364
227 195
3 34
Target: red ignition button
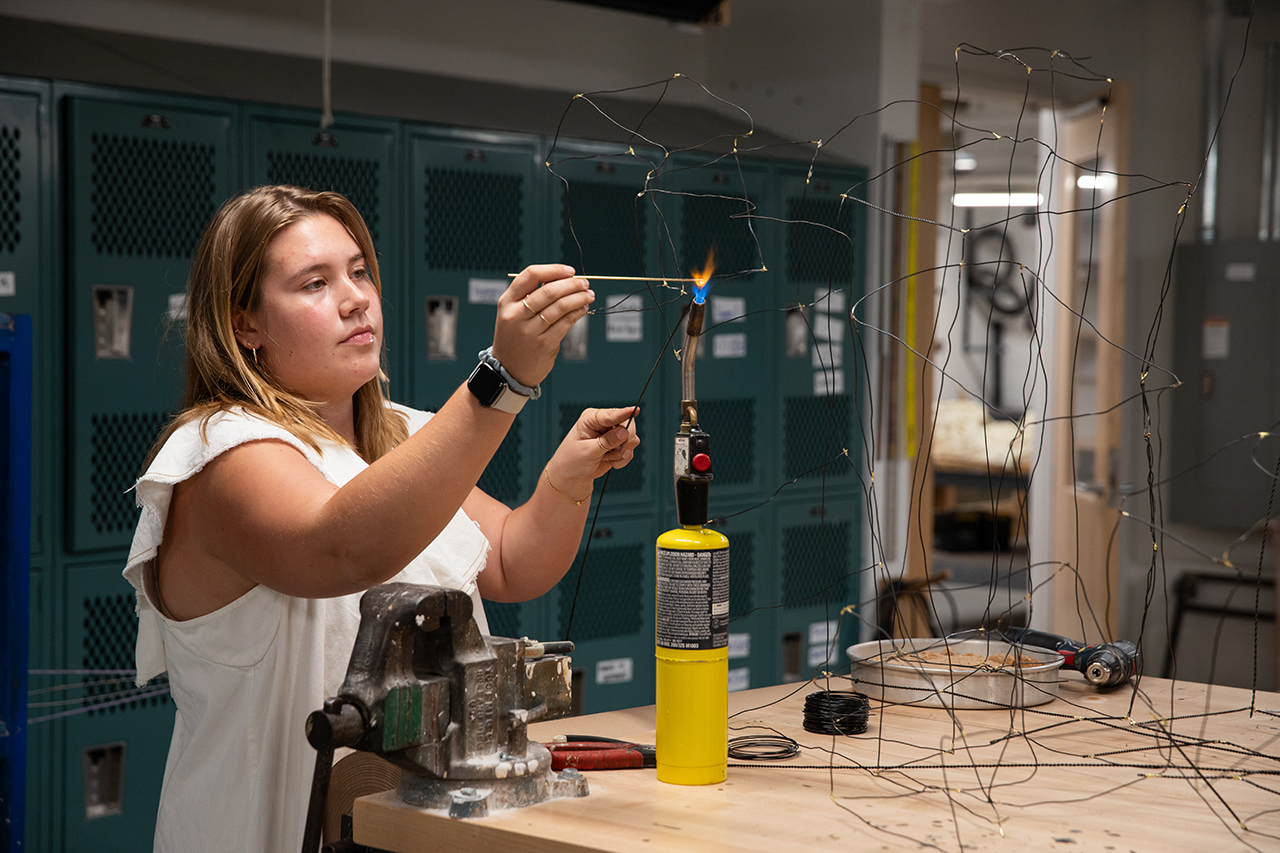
701 462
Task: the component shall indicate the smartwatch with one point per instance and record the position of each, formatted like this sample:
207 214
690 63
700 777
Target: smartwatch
488 386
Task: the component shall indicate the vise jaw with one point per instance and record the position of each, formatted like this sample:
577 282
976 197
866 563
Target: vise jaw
426 691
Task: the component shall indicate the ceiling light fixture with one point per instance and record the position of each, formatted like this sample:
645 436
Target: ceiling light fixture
997 199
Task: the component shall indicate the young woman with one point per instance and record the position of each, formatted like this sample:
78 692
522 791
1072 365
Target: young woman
289 485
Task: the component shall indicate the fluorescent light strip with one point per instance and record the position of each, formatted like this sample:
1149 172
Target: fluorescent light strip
1099 182
997 199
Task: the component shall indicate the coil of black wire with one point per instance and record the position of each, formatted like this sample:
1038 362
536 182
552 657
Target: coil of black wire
836 712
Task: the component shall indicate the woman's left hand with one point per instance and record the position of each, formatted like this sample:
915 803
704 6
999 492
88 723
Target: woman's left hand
601 439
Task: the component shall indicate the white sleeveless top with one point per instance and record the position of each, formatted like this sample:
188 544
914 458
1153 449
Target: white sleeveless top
245 677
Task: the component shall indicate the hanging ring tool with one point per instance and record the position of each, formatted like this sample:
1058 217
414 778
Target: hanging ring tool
587 752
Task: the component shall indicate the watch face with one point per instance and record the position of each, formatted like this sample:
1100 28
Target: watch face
486 383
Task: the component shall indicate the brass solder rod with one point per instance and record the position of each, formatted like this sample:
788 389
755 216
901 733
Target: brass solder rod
624 277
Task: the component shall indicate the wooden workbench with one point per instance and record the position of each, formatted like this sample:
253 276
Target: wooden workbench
1083 779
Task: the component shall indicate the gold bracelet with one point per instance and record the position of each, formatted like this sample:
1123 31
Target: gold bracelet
547 473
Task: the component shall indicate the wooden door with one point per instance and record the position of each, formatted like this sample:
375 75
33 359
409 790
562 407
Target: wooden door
1088 364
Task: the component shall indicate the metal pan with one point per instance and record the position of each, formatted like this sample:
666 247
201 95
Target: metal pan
882 670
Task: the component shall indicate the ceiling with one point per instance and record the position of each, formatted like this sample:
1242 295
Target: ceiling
685 11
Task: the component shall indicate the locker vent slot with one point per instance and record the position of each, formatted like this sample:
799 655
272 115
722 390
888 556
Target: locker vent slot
816 431
120 443
732 424
358 180
501 477
742 579
708 221
504 618
611 598
110 634
10 195
608 225
473 221
815 254
815 566
623 481
150 197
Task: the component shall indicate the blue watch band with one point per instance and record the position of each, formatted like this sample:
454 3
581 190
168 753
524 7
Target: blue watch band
486 355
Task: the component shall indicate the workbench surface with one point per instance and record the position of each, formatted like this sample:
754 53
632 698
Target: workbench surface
1077 775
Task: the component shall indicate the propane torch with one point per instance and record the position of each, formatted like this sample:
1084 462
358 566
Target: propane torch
691 636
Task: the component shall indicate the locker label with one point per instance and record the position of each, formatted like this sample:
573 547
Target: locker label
831 301
485 291
739 679
1215 340
624 322
614 671
8 284
739 646
824 655
828 382
728 309
729 346
820 632
828 355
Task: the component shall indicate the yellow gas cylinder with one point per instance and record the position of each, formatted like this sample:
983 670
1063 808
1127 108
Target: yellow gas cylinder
692 648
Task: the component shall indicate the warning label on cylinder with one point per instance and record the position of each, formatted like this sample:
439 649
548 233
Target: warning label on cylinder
693 599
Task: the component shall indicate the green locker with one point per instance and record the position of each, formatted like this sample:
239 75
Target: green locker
42 776
355 156
818 573
822 373
601 227
474 213
144 175
26 275
605 606
733 369
114 751
753 650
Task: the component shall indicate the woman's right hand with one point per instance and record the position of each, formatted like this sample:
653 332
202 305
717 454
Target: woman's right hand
534 315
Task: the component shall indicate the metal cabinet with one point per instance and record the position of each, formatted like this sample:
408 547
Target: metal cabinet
143 175
357 157
1227 357
822 373
734 369
605 606
115 739
475 214
601 226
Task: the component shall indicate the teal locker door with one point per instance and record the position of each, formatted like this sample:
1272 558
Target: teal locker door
356 157
819 573
822 370
473 218
601 227
21 239
734 374
117 741
753 650
25 278
144 177
605 606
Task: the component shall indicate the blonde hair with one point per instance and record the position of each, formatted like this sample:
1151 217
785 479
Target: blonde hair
226 276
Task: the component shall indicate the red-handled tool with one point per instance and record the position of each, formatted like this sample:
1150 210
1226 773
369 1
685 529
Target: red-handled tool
587 752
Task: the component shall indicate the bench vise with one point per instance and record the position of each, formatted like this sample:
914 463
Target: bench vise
426 691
